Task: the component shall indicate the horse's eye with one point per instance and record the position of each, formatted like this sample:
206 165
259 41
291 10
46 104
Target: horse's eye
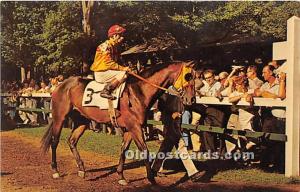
188 76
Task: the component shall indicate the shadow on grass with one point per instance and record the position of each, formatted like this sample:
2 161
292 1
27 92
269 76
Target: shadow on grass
113 169
211 168
175 165
7 124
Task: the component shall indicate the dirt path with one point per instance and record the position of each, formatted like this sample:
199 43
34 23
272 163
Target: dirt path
23 168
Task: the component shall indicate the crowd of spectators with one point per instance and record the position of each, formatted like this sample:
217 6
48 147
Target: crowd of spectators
241 83
16 89
28 87
31 86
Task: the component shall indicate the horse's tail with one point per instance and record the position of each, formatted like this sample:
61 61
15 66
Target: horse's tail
47 138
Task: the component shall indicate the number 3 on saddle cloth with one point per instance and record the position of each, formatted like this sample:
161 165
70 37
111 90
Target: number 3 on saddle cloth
92 98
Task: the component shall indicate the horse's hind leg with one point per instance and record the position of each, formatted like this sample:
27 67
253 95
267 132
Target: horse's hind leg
60 108
57 126
72 142
125 146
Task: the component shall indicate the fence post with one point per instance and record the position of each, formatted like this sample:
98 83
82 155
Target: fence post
290 50
293 98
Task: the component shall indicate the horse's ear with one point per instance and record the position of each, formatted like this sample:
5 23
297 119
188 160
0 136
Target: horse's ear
190 64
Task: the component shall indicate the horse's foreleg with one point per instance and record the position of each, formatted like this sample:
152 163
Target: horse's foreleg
140 143
125 146
72 142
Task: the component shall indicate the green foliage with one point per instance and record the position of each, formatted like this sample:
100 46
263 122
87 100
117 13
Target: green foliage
40 33
21 23
50 34
262 19
61 28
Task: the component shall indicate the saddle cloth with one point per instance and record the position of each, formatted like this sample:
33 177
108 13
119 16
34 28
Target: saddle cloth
92 98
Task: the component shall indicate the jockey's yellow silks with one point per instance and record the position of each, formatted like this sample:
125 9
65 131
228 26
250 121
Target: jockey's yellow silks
180 81
104 58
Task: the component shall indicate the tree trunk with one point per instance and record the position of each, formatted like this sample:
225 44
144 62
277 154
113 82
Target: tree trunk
23 74
87 7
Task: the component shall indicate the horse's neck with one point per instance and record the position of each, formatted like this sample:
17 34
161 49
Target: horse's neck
163 78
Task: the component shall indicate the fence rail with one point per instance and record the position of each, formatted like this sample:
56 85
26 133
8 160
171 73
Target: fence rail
264 135
220 130
258 101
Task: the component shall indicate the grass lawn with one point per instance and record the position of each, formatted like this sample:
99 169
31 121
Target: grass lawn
90 141
255 176
110 145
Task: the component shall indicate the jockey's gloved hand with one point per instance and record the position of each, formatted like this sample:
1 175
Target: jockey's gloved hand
172 91
127 69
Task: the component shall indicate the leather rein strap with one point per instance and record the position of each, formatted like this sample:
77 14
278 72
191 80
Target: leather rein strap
147 81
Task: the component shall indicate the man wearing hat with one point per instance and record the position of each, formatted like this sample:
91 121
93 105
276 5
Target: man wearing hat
105 66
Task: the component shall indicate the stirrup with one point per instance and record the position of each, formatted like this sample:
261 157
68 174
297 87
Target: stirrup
108 96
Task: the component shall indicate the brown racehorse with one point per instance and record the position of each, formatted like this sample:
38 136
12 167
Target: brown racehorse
136 100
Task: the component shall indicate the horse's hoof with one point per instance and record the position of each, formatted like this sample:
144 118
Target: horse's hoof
198 177
81 174
123 182
160 174
152 180
55 175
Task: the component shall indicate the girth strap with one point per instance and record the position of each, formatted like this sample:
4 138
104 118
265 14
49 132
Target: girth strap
112 114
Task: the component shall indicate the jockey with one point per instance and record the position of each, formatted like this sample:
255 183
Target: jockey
105 66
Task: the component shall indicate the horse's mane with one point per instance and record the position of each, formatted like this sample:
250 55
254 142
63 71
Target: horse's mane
151 71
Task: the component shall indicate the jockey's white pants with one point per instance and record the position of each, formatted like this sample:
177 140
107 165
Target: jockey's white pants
109 75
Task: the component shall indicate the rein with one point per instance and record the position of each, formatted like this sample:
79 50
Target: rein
152 84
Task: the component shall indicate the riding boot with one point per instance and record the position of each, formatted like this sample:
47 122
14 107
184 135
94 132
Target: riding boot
108 89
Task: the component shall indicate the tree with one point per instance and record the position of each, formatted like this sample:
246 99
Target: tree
87 10
21 25
61 31
266 20
60 36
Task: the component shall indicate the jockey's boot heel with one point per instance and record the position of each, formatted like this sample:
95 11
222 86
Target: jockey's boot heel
106 93
108 89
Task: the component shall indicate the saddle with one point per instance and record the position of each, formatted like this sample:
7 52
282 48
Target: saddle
92 98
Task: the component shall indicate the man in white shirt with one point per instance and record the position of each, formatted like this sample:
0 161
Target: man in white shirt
253 80
214 116
211 86
273 88
274 118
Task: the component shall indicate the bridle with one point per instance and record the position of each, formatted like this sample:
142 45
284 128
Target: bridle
179 91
